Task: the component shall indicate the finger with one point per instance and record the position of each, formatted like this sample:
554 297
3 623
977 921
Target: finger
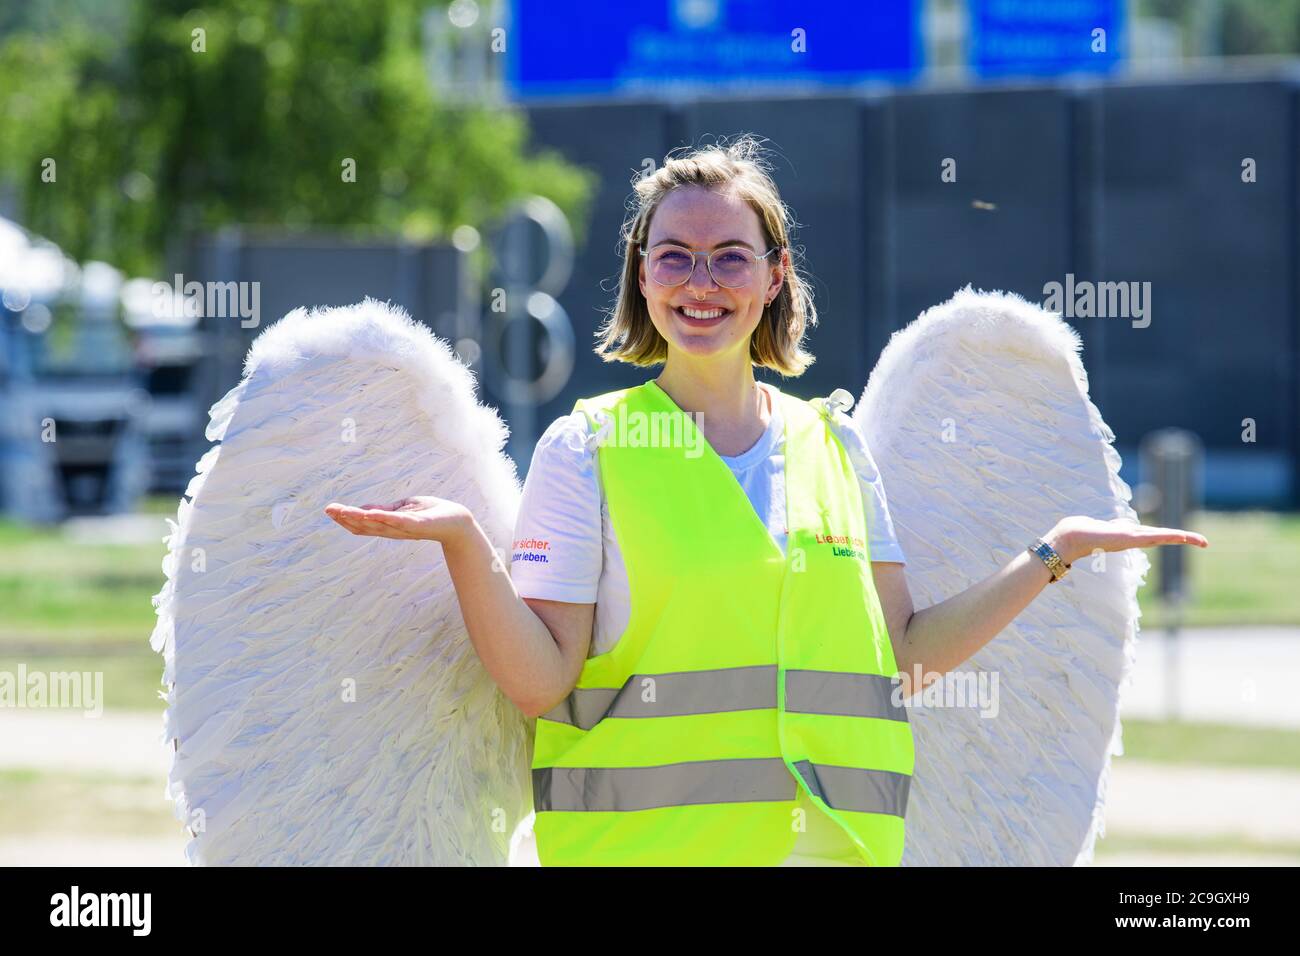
382 517
357 528
340 518
360 522
341 509
356 511
368 514
1177 534
1155 536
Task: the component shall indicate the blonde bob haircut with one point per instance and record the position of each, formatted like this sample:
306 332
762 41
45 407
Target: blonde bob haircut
628 335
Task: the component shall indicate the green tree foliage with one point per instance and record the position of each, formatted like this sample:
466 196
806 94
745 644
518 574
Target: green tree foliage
1242 27
1256 27
244 112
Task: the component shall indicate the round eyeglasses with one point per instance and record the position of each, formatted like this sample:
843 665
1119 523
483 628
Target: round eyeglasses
731 266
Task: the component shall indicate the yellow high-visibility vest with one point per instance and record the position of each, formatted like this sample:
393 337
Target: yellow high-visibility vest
743 674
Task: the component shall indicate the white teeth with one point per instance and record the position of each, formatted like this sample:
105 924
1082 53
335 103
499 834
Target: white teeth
702 314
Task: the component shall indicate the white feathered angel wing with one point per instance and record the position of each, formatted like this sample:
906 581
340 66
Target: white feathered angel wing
979 420
325 703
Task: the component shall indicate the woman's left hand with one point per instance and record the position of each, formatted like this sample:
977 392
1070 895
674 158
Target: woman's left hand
420 518
1079 536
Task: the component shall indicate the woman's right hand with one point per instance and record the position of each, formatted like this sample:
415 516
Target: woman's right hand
423 518
534 650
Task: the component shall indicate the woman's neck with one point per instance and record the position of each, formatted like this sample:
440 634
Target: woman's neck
734 411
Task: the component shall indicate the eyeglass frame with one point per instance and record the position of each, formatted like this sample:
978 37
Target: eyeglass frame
708 262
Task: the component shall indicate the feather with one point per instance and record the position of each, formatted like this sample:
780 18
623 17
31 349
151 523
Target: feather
325 705
979 419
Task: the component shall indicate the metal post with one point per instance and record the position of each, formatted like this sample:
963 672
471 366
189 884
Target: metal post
1171 467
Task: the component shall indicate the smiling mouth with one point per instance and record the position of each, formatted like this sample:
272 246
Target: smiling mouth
693 315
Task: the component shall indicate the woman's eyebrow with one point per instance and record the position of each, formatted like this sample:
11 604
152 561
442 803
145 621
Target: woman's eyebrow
724 242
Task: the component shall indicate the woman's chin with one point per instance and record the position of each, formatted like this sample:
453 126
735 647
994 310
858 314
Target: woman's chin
701 345
702 342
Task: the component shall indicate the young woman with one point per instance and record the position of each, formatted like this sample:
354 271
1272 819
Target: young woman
628 566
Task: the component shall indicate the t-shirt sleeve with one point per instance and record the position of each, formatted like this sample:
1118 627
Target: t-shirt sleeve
556 551
880 526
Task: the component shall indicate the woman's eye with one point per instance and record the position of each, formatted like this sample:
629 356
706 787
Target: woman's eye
672 258
732 258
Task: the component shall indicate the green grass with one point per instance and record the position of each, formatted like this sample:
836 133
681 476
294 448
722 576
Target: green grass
76 606
1249 575
163 505
1217 745
132 681
54 589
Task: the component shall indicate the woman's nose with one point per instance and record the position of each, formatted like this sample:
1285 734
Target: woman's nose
700 277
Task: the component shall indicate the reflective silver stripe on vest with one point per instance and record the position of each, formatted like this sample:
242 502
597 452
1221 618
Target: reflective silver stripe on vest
727 689
670 785
671 695
758 780
847 695
850 788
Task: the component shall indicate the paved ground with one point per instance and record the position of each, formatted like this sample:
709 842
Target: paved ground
1221 675
122 743
1178 800
99 851
1194 859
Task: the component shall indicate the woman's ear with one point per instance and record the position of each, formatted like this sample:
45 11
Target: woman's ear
778 277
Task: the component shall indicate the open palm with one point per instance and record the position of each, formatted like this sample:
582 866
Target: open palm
423 518
1081 535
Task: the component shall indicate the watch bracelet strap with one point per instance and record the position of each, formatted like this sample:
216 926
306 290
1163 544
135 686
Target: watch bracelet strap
1047 554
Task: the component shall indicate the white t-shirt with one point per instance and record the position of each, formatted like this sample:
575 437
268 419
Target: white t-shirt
564 547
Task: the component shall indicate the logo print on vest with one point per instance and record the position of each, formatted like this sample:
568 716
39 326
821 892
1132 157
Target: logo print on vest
844 546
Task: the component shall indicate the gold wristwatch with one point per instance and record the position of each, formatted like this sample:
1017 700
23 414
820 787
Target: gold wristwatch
1049 558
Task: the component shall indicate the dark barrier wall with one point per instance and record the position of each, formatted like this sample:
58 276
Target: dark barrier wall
1220 254
426 279
612 140
1108 183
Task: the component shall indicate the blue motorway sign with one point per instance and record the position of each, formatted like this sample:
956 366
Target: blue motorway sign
1045 37
648 47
